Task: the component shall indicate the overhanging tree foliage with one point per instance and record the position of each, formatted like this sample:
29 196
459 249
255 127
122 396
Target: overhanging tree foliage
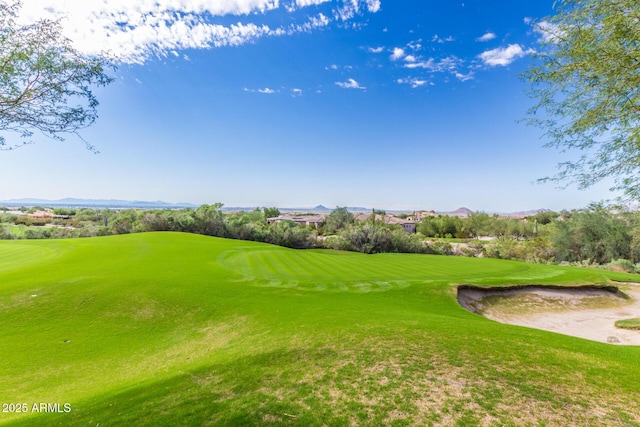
45 84
587 86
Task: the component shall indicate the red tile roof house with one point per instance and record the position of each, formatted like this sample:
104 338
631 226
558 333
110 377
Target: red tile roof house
407 225
47 215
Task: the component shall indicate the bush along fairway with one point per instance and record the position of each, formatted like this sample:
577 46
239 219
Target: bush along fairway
180 329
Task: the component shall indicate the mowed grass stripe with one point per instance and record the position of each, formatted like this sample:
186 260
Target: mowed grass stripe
21 254
443 267
320 264
280 262
369 267
289 264
361 267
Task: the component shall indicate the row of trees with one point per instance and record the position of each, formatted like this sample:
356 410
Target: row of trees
206 219
482 224
340 230
594 235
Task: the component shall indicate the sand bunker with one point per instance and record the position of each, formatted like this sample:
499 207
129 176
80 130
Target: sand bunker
584 311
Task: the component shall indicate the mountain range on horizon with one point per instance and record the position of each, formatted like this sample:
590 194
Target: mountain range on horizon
113 203
116 203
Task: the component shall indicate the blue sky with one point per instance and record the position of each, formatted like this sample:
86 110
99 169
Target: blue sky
396 104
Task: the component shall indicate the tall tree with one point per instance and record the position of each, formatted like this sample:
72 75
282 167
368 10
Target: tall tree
594 234
209 220
45 84
338 219
587 86
271 212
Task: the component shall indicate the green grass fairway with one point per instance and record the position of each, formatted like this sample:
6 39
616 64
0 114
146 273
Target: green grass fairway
177 329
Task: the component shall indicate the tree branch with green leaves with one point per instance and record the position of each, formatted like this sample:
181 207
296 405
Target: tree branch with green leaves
586 83
45 84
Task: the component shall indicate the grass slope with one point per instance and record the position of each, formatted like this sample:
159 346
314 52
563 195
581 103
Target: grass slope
178 329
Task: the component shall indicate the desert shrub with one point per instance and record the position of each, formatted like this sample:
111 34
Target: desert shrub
443 248
62 233
366 238
503 248
8 218
153 221
37 233
403 242
468 252
64 211
6 234
290 235
623 265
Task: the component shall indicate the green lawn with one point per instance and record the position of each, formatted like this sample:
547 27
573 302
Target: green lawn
178 329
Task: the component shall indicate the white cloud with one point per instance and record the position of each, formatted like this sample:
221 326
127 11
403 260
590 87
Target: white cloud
266 90
350 84
486 37
464 77
415 83
135 31
410 58
314 22
502 55
376 49
397 53
296 92
373 5
351 8
450 63
437 39
299 4
415 45
305 3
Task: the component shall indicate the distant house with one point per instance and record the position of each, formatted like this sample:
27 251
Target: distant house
407 225
420 215
308 220
46 215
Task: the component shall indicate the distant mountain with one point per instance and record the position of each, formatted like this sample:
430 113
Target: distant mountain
103 203
458 212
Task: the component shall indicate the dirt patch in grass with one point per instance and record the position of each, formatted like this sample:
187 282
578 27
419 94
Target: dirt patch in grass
582 311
